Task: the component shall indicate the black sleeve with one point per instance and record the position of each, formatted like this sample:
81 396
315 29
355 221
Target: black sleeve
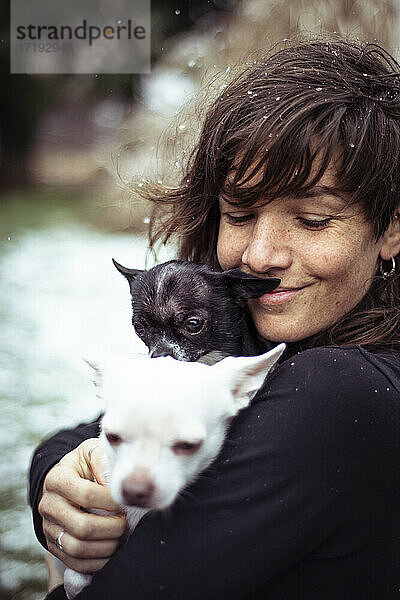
46 456
303 476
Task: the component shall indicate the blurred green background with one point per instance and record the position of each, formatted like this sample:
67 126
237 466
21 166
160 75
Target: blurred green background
73 150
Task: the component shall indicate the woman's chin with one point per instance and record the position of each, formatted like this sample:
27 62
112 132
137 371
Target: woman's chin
278 328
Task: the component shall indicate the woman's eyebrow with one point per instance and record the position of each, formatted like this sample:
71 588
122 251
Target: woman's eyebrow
224 199
321 190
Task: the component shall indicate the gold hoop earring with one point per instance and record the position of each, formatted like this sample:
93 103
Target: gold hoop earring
387 274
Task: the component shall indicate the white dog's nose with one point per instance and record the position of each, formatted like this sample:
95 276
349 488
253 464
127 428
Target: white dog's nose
136 491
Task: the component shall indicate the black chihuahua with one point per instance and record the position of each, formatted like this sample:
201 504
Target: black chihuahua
186 310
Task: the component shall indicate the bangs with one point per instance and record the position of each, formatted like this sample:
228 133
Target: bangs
277 128
289 155
284 159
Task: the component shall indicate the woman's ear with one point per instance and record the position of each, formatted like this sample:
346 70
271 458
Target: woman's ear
391 239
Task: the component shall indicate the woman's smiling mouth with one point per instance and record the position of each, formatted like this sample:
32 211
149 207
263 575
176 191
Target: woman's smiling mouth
279 295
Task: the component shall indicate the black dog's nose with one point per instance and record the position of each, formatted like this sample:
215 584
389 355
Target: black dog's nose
160 352
136 492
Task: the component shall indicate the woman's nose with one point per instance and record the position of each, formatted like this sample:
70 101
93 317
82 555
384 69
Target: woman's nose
268 248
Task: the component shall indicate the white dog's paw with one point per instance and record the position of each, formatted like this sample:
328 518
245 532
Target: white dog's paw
74 582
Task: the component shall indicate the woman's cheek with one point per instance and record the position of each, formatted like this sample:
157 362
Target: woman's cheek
343 278
230 247
331 267
330 261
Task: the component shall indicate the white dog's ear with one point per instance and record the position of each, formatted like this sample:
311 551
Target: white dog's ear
97 375
246 374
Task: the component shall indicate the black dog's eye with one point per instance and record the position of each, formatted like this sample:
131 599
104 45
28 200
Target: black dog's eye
113 438
186 447
194 325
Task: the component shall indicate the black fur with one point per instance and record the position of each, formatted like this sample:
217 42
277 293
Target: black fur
187 310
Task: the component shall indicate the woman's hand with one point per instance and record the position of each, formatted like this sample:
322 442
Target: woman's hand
76 482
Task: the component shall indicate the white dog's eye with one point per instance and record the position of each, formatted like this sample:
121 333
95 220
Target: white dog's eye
113 438
188 448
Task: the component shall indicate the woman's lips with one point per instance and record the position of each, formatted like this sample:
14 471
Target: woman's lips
279 296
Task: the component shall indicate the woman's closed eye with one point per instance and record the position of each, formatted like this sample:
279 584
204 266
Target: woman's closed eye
314 223
241 219
238 219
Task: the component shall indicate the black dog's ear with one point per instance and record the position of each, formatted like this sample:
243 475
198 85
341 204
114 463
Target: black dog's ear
129 274
246 286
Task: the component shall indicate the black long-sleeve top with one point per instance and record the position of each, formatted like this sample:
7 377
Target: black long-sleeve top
303 502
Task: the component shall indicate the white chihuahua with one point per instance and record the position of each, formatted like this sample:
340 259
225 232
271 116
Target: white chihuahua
165 422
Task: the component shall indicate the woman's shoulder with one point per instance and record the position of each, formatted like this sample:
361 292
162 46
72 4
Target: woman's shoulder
333 371
327 419
327 402
332 389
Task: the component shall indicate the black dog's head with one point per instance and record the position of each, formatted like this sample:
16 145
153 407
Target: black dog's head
186 310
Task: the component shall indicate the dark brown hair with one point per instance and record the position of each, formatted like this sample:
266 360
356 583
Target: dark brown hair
331 99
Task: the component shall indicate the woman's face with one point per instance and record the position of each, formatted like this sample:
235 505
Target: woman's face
323 251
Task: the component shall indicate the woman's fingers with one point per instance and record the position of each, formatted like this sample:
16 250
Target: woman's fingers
85 556
63 479
56 510
76 548
82 565
74 478
98 463
91 459
69 488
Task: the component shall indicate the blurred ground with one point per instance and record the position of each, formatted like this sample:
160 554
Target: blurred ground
60 299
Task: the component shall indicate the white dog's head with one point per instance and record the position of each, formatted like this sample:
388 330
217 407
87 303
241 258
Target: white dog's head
165 420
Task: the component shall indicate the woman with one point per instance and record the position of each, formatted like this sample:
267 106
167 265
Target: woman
296 176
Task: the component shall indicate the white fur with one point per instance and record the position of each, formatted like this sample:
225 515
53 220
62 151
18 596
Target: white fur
154 403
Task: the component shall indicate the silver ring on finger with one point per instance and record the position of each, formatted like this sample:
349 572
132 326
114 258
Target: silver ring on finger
58 541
